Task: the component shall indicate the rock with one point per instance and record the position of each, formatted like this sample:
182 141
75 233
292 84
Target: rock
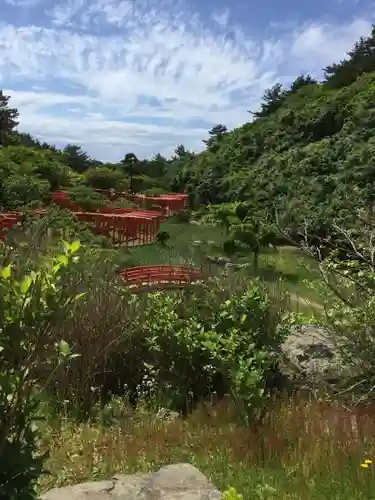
309 355
173 482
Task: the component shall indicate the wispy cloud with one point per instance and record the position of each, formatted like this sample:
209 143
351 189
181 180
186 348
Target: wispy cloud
151 70
23 3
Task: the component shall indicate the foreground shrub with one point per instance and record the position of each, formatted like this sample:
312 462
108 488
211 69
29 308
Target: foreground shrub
32 301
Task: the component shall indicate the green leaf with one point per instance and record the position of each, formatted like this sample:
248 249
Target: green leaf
62 259
66 246
25 284
63 348
6 272
75 246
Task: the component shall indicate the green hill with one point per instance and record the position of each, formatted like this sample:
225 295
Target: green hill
309 152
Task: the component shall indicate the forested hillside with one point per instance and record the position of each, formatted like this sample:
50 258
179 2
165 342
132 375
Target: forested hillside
310 150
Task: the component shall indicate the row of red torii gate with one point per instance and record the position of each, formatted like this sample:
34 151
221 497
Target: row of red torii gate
123 226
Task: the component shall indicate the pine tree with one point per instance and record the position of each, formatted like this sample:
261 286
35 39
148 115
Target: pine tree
8 118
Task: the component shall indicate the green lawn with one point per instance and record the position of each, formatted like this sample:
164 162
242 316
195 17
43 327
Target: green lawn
288 264
180 248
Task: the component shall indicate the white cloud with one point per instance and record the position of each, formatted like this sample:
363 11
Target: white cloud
93 72
221 18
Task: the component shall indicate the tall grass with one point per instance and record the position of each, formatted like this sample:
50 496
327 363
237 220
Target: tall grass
305 449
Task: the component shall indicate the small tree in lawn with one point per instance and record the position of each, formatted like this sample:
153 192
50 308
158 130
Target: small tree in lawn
256 236
223 218
254 231
162 237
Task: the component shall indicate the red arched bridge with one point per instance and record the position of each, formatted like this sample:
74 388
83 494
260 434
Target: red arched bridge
161 277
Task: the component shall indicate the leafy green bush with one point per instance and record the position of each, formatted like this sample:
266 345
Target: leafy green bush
32 301
86 197
106 178
98 323
17 191
231 494
162 237
217 338
56 174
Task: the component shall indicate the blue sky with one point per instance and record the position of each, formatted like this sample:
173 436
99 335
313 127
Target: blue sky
143 76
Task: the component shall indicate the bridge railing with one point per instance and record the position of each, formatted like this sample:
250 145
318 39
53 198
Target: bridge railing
144 275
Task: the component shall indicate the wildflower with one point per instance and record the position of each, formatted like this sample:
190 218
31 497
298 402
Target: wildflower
366 463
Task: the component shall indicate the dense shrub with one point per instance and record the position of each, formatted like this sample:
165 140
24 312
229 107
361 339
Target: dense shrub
162 237
219 338
106 178
87 198
19 190
32 302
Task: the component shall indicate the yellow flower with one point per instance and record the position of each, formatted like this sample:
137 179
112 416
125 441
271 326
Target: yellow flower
366 463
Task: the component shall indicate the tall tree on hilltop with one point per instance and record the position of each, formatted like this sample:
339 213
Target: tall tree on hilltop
129 164
216 135
300 82
76 158
8 118
273 99
180 151
361 59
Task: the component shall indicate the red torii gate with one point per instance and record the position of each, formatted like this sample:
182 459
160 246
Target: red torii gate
133 228
170 204
122 225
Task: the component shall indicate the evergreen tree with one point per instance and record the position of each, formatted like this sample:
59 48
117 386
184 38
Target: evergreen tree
8 118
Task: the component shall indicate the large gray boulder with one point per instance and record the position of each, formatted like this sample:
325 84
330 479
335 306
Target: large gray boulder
309 356
173 482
